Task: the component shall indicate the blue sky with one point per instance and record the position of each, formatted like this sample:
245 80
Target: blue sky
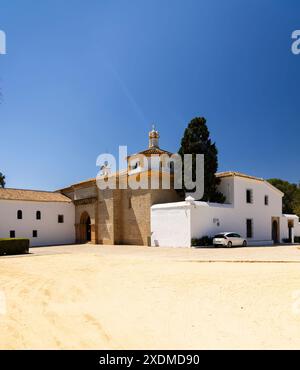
82 77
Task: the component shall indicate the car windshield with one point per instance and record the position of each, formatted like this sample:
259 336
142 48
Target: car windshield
220 236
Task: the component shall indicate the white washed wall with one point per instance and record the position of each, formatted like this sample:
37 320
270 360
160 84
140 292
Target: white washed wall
297 228
205 218
284 226
171 225
226 187
284 230
50 232
260 213
175 224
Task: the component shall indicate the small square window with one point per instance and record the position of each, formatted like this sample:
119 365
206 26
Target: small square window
12 234
60 219
266 200
34 234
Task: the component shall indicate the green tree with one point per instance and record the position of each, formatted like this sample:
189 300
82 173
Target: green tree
2 180
196 140
291 199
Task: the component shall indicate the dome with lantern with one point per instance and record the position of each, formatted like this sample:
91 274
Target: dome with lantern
135 161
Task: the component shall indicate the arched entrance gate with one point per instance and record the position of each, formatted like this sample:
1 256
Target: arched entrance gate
85 228
275 230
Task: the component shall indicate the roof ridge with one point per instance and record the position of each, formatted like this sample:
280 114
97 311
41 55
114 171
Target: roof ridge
20 189
237 173
240 174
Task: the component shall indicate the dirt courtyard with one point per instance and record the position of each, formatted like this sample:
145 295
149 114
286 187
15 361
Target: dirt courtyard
100 297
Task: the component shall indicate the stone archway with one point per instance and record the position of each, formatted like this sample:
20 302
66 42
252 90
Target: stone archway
85 228
86 218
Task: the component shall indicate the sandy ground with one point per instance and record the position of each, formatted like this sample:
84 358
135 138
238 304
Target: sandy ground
82 297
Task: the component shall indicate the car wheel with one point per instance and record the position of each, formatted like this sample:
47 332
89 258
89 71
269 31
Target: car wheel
244 243
229 245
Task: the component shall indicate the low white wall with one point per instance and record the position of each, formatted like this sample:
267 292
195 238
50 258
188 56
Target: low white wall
50 232
284 226
211 219
284 230
170 225
297 229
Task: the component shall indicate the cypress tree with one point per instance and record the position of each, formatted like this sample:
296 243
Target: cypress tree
196 140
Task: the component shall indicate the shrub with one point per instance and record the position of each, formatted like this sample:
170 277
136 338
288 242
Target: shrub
296 240
205 241
14 246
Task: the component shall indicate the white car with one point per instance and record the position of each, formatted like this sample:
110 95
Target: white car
229 240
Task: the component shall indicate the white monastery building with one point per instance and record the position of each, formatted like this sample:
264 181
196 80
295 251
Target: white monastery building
46 218
253 209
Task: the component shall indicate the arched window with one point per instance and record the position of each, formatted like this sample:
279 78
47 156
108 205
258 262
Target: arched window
38 215
19 215
171 166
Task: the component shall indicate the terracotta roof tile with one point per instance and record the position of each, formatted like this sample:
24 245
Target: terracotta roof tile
238 174
152 151
32 195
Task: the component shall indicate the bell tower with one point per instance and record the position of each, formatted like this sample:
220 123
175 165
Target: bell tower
153 138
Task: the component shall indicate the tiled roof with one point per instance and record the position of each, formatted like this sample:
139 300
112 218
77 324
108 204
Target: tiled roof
153 151
79 184
238 174
32 195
